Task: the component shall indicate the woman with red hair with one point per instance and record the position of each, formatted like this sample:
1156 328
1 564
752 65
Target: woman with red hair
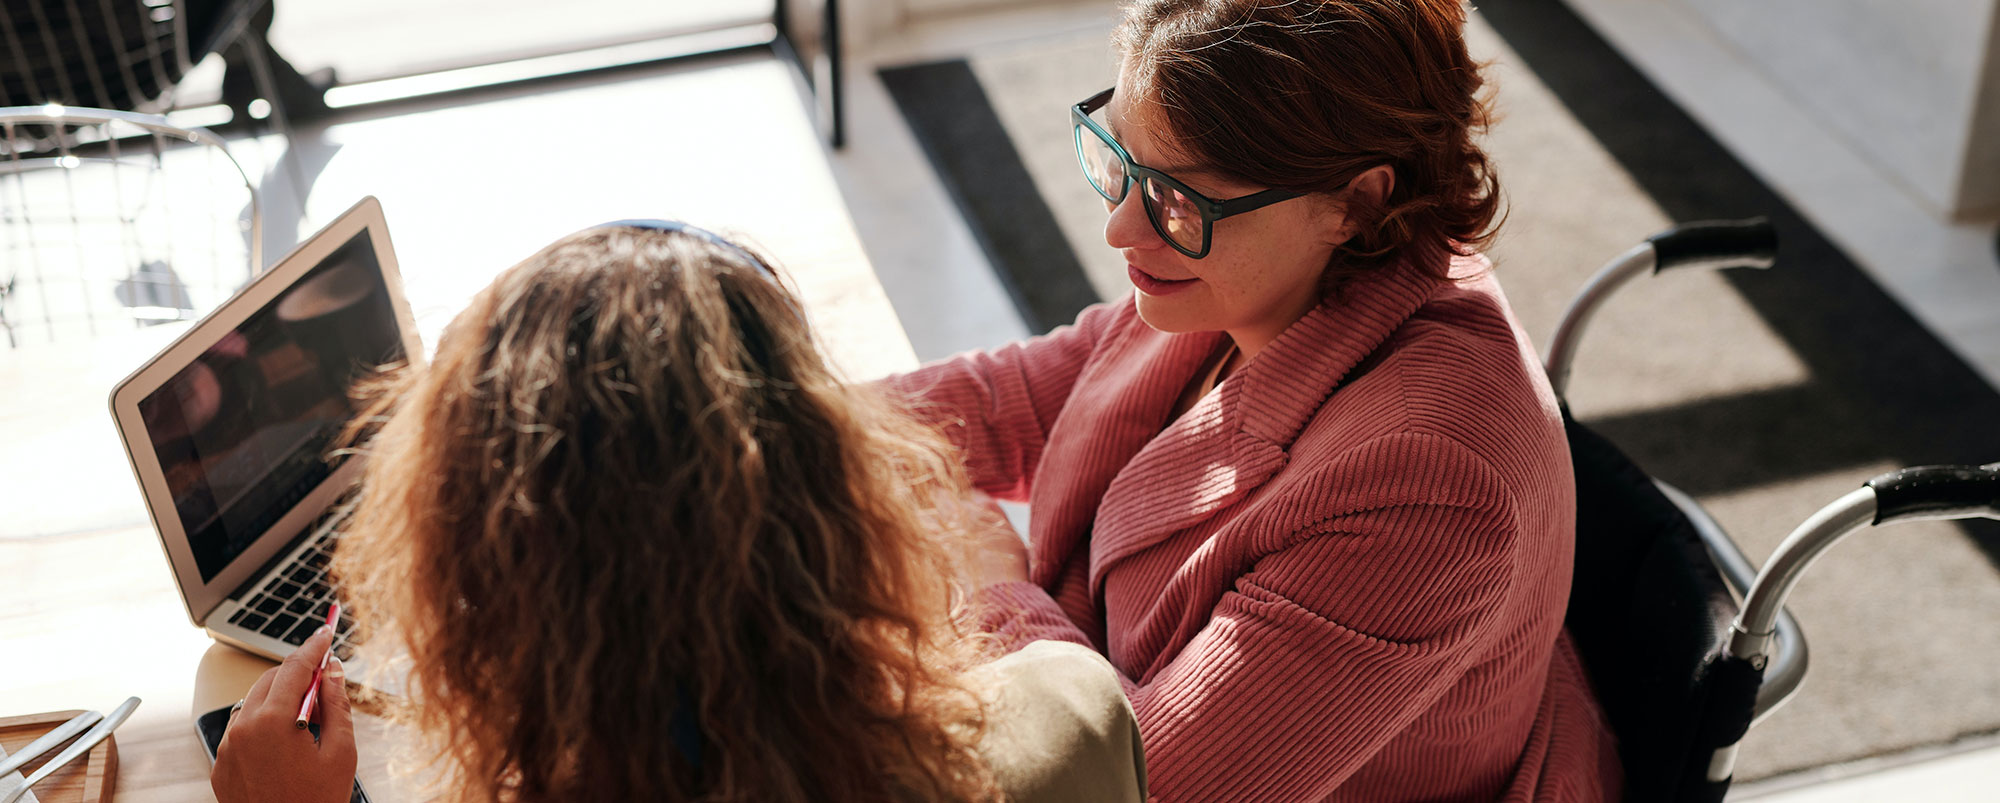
1306 487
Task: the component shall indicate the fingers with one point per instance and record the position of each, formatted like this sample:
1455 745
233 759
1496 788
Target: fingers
231 719
296 673
229 726
254 699
336 716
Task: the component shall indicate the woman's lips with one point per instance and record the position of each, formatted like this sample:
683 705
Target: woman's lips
1154 286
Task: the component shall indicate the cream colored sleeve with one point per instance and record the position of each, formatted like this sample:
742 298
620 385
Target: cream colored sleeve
1059 729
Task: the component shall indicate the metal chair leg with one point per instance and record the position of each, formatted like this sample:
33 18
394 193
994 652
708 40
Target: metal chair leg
256 54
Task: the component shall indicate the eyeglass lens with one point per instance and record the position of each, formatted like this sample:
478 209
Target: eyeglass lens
1172 213
1101 165
1176 216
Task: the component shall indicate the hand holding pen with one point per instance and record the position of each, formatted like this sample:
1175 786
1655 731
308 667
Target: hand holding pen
306 709
264 754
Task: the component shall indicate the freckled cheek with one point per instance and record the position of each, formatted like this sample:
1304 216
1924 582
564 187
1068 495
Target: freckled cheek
1290 260
1228 280
1258 282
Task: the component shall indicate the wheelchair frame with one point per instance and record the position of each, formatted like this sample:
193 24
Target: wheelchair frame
1764 645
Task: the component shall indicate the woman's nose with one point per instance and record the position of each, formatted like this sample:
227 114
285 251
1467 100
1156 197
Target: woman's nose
1127 227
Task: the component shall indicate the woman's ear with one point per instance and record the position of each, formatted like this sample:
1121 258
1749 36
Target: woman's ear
1374 184
1372 187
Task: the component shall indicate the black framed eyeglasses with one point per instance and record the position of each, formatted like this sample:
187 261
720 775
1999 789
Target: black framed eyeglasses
1184 218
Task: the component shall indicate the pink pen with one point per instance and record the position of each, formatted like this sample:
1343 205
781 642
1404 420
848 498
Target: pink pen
306 709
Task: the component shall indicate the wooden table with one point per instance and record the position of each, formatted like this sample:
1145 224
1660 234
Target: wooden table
87 620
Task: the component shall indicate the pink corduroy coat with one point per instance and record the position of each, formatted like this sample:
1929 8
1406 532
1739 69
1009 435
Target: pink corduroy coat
1339 576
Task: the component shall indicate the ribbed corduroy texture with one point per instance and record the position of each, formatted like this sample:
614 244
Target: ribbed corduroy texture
1341 576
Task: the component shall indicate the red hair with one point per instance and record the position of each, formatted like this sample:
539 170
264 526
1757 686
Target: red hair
1305 95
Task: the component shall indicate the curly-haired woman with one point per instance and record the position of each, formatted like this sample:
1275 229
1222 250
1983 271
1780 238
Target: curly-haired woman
1306 488
641 544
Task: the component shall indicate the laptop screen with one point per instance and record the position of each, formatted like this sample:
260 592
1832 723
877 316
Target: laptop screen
242 433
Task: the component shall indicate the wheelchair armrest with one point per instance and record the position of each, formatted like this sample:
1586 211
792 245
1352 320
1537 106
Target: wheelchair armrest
1786 668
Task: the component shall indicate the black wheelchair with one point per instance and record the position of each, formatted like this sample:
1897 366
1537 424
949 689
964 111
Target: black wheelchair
1686 643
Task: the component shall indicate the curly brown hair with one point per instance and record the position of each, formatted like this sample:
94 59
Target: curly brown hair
628 499
1305 95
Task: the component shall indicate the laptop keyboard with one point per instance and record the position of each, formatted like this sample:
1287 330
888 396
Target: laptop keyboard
294 602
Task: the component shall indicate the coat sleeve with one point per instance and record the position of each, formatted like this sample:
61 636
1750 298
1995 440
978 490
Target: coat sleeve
997 406
1329 644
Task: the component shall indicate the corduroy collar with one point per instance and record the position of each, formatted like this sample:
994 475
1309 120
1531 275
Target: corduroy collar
1229 444
1276 393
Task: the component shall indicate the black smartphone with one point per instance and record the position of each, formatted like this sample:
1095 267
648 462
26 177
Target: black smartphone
211 725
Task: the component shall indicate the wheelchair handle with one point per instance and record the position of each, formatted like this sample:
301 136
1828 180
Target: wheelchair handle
1924 492
1749 243
1937 492
1746 243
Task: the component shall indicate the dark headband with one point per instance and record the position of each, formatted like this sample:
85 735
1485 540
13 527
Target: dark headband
678 227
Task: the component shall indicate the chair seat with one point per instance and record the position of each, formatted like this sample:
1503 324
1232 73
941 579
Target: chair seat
1648 612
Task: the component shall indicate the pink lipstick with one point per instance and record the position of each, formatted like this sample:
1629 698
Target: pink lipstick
1154 286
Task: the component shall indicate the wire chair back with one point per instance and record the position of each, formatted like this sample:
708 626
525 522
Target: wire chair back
113 220
113 54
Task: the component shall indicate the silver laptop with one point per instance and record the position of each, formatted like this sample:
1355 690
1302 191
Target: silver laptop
232 432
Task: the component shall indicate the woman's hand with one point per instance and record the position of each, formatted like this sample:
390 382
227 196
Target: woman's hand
264 756
996 553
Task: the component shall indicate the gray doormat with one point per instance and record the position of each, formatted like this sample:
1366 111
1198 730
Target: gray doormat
965 140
